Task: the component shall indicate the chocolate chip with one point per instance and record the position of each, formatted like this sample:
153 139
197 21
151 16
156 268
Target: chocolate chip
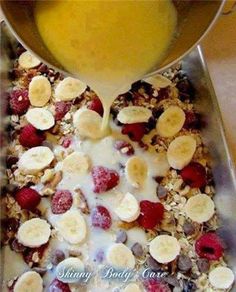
161 192
10 224
121 236
40 271
188 228
153 264
137 249
184 263
172 280
189 286
11 160
17 246
203 265
57 257
100 255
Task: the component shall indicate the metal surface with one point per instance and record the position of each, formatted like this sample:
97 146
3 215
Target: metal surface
195 18
213 134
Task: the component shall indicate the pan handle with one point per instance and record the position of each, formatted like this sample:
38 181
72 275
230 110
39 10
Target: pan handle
230 10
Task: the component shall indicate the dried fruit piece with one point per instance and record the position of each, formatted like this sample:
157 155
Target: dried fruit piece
61 109
58 286
124 147
28 198
104 179
101 217
96 105
134 131
155 285
194 174
61 201
31 137
150 214
209 246
19 101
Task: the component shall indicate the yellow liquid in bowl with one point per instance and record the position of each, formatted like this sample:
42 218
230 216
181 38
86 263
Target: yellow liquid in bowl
107 44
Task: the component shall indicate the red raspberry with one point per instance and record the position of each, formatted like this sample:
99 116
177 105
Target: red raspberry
61 108
101 217
154 285
31 137
19 101
104 179
96 106
134 131
150 214
28 198
58 286
124 147
61 201
194 174
209 246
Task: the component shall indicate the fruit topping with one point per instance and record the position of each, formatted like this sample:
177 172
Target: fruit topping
61 201
124 147
134 131
194 174
101 217
58 286
19 101
31 137
28 198
209 246
155 285
61 109
104 179
96 105
151 214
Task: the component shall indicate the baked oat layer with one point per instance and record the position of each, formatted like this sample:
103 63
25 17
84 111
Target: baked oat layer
139 200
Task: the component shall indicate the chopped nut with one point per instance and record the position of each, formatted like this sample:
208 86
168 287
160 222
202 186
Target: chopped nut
80 202
47 176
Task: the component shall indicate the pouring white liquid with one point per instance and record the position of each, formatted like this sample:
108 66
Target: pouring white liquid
107 44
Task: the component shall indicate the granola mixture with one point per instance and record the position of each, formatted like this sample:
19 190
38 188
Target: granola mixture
125 200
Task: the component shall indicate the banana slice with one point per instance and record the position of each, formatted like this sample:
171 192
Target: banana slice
69 88
34 232
29 282
161 164
128 210
221 278
39 91
164 248
158 81
134 114
120 256
88 123
136 171
77 163
27 60
40 118
200 208
132 287
181 151
72 226
170 122
69 264
35 159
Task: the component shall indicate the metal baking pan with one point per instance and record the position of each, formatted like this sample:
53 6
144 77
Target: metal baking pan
213 134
